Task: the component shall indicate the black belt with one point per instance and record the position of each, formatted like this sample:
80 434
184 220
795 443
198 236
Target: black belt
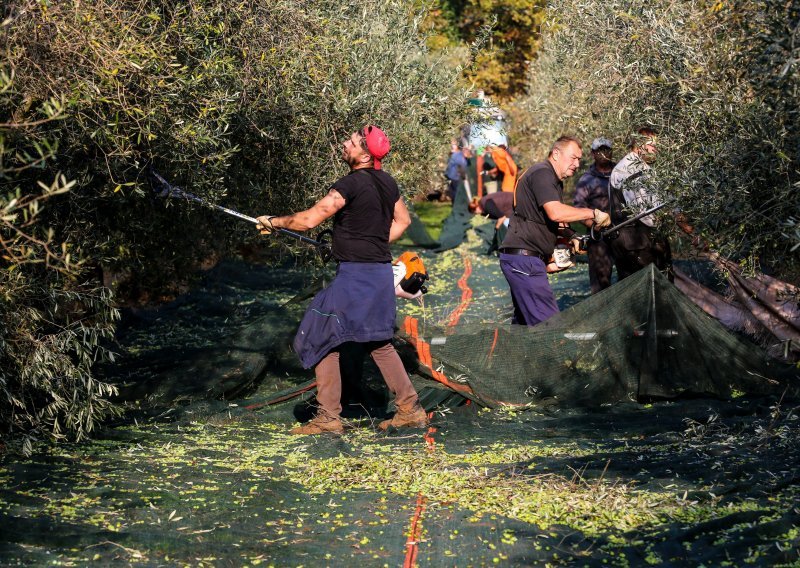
524 252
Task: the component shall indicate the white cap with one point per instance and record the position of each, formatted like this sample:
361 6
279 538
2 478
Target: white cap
598 143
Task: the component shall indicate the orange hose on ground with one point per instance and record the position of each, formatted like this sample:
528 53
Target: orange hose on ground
411 328
494 344
414 532
466 294
415 528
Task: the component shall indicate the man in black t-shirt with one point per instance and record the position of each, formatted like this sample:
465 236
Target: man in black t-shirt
539 217
359 305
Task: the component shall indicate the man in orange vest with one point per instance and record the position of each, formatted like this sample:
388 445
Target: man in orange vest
505 165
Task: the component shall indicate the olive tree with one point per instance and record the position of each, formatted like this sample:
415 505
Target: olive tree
239 102
717 81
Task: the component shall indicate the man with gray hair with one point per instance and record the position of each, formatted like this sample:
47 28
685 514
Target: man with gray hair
591 191
539 218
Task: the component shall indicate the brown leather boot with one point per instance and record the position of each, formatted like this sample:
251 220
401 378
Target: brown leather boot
321 424
414 417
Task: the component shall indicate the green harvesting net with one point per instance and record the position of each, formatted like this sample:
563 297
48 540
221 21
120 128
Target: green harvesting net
636 341
639 340
205 474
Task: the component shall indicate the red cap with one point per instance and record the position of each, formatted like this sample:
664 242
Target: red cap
378 144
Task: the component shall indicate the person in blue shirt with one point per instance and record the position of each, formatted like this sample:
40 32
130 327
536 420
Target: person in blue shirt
456 171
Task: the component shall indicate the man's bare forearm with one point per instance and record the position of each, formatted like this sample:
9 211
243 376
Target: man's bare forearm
300 221
397 229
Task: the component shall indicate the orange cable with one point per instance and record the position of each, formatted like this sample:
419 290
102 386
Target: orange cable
415 528
466 293
414 533
411 327
494 344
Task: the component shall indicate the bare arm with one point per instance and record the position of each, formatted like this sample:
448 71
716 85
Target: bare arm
562 213
400 221
310 218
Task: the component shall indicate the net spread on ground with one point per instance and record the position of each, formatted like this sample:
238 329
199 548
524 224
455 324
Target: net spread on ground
629 429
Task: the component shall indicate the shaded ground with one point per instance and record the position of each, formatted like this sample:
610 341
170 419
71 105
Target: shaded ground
189 481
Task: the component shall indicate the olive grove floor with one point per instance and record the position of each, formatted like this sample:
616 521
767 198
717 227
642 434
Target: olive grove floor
187 481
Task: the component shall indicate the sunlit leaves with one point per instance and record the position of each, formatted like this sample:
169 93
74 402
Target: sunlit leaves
710 78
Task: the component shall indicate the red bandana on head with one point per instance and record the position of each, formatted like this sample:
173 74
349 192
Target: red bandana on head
378 144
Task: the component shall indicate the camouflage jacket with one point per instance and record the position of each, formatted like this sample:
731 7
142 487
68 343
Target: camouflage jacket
591 190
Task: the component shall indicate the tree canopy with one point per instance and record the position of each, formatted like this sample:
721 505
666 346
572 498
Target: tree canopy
499 40
242 103
716 80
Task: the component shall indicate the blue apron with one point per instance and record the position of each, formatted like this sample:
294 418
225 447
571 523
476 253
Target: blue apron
359 305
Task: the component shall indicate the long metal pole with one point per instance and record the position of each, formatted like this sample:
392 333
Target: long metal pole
171 190
599 235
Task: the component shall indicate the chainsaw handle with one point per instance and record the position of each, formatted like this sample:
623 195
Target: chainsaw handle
325 238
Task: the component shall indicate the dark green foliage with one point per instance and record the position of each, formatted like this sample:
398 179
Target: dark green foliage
51 337
241 103
718 80
502 35
53 317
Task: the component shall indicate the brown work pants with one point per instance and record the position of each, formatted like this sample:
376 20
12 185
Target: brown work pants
640 246
601 263
329 378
